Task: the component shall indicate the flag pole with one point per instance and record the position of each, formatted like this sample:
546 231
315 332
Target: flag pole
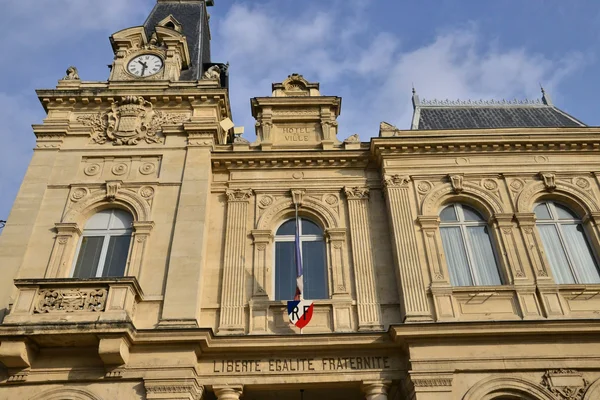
298 245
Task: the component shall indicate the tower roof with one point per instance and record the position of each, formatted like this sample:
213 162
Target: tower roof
193 17
481 114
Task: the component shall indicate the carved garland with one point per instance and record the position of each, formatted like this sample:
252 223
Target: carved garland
129 121
71 300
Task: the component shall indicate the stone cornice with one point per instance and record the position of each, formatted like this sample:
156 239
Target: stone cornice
295 159
582 139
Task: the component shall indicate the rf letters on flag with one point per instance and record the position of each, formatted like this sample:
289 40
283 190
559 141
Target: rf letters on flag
300 312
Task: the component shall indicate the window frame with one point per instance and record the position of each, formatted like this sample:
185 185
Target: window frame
106 235
303 238
463 225
558 223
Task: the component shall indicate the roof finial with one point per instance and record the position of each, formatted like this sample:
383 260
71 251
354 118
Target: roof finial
545 96
415 97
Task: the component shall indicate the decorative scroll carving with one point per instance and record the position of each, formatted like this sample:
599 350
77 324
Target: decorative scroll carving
356 193
549 180
565 384
131 120
396 181
71 300
457 182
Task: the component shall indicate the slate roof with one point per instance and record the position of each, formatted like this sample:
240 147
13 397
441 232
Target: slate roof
191 15
432 115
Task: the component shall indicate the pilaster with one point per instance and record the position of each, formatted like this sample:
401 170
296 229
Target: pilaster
369 309
182 295
409 273
232 295
376 390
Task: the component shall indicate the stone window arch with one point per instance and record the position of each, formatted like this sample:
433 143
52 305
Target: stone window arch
312 255
334 236
66 394
507 388
566 245
492 215
83 205
580 202
471 257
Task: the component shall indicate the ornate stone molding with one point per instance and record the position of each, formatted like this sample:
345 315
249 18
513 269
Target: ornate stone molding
431 382
435 197
298 196
71 300
568 190
158 389
130 120
565 384
112 188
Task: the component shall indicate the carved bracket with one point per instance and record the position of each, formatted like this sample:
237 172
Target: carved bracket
549 179
457 182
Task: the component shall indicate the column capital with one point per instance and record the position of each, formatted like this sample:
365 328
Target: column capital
158 389
239 195
396 181
228 392
356 193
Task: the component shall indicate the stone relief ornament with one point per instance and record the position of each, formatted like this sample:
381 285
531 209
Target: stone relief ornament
131 120
214 72
147 192
457 182
357 192
79 194
396 181
120 169
565 384
517 185
490 184
71 300
147 169
72 74
331 200
582 183
92 169
239 194
266 201
549 180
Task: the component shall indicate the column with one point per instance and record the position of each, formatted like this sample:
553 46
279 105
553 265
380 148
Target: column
234 274
369 309
376 390
228 392
409 272
181 306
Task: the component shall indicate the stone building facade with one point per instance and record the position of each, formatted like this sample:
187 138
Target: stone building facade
147 252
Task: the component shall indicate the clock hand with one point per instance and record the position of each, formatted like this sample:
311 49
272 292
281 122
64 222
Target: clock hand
143 69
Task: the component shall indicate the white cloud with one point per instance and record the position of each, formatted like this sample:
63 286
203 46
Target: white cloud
369 67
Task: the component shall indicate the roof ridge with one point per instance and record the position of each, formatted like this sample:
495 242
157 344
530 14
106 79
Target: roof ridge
481 102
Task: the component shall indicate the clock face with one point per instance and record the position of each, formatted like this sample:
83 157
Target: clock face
145 65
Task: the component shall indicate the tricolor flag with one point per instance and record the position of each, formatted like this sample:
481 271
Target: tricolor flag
298 254
300 312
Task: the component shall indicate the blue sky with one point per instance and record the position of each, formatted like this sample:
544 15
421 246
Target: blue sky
368 52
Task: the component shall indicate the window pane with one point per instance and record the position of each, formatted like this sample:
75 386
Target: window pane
99 220
471 214
581 253
448 214
315 274
89 254
555 254
116 256
288 228
485 266
456 258
121 220
541 211
564 213
285 271
310 228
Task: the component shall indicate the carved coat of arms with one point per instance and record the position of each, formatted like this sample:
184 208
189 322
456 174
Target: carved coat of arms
129 121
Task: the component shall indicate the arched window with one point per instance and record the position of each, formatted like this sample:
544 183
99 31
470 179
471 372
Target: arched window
566 246
312 247
104 245
468 247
